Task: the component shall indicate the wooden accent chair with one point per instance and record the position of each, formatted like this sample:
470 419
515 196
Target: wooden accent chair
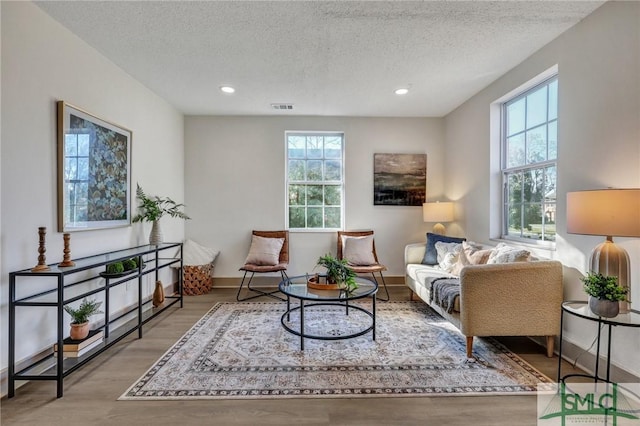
364 269
281 266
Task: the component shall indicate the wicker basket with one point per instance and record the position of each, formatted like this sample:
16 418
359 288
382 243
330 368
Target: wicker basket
197 279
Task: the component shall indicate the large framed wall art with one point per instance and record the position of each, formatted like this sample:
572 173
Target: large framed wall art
399 179
94 171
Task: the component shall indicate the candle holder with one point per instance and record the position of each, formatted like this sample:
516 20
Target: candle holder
42 259
66 260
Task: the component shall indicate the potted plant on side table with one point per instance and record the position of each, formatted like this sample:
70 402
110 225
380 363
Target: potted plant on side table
604 294
151 209
80 317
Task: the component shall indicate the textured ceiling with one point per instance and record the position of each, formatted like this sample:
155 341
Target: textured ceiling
327 58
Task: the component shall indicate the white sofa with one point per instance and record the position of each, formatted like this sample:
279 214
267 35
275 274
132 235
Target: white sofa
508 299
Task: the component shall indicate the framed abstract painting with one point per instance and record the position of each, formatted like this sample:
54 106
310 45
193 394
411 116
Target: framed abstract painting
399 179
94 171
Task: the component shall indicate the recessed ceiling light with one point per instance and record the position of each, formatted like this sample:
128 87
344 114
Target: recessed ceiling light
227 89
402 91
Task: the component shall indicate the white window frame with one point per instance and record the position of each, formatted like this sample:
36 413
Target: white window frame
506 171
340 182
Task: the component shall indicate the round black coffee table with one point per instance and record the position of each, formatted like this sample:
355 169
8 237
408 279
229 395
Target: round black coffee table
296 288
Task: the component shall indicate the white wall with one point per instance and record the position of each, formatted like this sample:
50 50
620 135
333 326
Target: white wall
235 182
43 62
599 146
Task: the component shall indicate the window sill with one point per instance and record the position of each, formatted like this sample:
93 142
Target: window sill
547 246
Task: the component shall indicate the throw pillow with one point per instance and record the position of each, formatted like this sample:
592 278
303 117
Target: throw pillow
196 254
471 254
359 250
503 253
448 255
431 254
264 251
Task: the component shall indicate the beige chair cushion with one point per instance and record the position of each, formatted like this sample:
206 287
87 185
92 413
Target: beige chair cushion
264 251
359 250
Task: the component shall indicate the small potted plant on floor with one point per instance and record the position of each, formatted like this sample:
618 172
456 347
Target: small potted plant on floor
338 272
80 317
151 209
604 294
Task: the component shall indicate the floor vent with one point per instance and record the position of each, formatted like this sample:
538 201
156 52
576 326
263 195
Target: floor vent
282 106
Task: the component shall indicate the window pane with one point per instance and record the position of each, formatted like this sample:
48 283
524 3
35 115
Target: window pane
314 195
71 168
296 217
333 147
83 168
314 217
296 169
514 188
295 146
537 107
553 100
532 221
515 151
537 145
553 140
314 169
296 195
550 184
533 185
314 146
333 170
332 217
514 226
83 145
332 195
70 145
515 117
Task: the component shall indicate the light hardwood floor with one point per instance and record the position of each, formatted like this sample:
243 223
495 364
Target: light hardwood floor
90 394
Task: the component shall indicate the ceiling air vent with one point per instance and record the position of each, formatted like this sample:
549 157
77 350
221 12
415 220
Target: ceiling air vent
282 106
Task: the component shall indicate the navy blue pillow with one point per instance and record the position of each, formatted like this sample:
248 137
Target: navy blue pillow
431 255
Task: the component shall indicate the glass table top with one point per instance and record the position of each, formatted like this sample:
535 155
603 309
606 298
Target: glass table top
297 287
581 309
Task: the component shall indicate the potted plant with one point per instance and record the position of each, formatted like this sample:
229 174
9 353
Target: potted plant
151 209
80 317
604 294
338 272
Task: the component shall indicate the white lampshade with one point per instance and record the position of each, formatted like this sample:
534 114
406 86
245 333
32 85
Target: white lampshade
437 212
610 213
607 212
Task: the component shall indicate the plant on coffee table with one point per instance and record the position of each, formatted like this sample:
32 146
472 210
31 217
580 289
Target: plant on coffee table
339 272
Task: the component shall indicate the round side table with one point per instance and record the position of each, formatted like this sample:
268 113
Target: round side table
581 310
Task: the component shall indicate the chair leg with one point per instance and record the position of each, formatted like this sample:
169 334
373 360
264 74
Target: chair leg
260 292
384 284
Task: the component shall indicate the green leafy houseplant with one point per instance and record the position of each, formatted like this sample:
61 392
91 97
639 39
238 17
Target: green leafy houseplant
603 287
339 272
86 309
153 208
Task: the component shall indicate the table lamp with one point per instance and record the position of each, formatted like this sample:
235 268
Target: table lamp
437 212
609 213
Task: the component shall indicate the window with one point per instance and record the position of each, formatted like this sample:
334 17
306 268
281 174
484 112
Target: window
315 180
76 157
529 170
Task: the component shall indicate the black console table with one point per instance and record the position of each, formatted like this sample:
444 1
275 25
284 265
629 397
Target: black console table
581 310
70 284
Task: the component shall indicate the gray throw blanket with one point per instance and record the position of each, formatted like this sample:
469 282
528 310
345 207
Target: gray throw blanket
444 291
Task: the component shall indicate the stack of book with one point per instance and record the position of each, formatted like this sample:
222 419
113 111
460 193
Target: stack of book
76 348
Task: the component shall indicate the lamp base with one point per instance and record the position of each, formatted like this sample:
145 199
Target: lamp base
610 259
438 228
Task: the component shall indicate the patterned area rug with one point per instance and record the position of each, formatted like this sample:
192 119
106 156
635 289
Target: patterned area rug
240 350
